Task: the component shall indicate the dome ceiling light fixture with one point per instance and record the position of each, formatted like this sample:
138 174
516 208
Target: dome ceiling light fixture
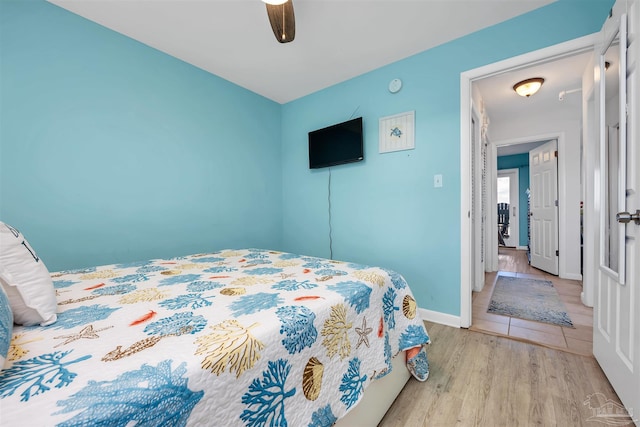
528 87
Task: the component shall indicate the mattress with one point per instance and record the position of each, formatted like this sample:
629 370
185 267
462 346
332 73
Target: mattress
245 337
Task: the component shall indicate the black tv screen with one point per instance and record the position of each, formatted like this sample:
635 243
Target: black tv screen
336 145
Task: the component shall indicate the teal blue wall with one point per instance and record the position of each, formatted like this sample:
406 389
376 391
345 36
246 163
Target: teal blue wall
520 162
112 151
385 209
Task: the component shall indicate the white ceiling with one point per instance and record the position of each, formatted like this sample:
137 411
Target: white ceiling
335 40
561 75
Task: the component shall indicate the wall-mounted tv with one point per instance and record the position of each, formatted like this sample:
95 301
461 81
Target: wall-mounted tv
336 145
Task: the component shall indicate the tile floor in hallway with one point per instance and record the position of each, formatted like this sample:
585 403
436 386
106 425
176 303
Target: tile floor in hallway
513 262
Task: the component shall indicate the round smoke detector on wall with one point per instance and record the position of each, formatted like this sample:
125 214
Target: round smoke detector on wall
395 85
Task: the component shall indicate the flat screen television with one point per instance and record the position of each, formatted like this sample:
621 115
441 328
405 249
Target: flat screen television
336 145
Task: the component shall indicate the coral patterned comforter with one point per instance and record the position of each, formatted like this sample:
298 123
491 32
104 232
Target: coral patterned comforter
237 337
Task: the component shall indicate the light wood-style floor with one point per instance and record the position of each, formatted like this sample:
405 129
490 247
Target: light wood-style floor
478 379
512 262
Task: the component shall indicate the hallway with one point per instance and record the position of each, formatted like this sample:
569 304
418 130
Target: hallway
513 262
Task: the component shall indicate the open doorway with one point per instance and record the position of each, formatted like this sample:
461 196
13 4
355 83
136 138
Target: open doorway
508 208
533 121
527 201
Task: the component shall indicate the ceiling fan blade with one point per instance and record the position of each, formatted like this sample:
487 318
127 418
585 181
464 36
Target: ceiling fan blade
283 21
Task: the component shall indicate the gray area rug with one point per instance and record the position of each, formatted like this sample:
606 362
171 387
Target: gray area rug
529 299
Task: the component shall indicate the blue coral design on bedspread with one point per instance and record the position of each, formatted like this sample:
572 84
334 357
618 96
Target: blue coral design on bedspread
245 337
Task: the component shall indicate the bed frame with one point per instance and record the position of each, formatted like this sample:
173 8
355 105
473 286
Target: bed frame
378 397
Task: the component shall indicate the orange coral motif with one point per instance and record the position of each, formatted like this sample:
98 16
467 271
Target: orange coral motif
306 270
144 318
219 277
99 285
381 328
412 352
306 298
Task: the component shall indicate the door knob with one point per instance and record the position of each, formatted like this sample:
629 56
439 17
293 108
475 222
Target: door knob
626 217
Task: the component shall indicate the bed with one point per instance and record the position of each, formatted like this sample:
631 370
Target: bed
245 337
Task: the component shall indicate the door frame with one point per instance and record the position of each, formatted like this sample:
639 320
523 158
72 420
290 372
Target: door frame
571 47
492 257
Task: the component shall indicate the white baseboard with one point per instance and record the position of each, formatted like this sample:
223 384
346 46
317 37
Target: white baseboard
438 317
572 276
522 248
479 289
583 299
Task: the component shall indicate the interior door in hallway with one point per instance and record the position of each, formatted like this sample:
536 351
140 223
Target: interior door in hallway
616 271
543 182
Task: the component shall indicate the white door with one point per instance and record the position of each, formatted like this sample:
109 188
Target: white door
616 269
543 182
478 211
508 192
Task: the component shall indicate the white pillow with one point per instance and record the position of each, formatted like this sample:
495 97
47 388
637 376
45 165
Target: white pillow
26 280
6 326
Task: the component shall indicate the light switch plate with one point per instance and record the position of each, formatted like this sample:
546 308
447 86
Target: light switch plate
437 181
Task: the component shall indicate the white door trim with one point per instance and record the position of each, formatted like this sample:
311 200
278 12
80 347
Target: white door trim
492 175
570 47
